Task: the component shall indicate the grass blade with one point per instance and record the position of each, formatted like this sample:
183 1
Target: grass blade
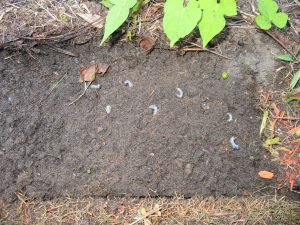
264 121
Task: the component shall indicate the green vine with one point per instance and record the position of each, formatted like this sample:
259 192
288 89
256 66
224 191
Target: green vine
182 17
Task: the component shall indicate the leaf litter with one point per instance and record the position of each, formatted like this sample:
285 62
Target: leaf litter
88 75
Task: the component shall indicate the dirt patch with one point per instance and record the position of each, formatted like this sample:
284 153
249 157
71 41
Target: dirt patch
51 149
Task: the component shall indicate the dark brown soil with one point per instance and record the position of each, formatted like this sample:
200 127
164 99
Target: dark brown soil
50 149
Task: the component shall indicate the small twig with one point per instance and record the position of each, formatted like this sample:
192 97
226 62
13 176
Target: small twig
285 118
280 43
83 93
63 51
263 188
50 14
297 2
197 49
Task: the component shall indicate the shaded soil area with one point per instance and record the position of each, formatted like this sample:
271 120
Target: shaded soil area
50 149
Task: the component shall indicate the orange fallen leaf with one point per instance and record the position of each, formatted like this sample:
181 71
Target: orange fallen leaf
266 174
147 44
102 68
89 74
294 130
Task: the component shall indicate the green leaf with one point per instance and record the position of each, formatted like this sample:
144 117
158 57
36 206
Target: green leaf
228 7
213 21
295 79
178 20
116 16
268 13
263 22
280 20
137 6
272 141
107 3
285 57
267 8
264 121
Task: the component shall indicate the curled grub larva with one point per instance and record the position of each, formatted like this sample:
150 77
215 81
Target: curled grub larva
95 86
229 117
179 93
154 109
128 83
233 144
108 109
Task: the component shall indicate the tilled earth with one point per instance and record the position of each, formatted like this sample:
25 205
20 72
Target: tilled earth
49 148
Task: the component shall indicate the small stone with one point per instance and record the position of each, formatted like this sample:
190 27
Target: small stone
100 129
88 171
188 169
151 154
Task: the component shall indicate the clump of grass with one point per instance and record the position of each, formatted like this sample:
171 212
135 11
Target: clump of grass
177 210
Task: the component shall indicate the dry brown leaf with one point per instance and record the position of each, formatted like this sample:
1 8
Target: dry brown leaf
102 68
88 74
147 44
266 174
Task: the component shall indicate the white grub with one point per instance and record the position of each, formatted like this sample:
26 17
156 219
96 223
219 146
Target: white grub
95 86
229 117
108 109
179 93
154 109
128 83
233 144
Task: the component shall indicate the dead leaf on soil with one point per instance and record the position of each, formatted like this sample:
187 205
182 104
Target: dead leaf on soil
93 19
89 74
147 44
102 68
266 174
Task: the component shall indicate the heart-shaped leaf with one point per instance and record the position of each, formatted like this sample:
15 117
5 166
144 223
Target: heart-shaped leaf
213 21
268 13
180 20
116 16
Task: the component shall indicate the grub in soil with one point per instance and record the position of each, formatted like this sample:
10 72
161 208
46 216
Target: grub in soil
49 149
